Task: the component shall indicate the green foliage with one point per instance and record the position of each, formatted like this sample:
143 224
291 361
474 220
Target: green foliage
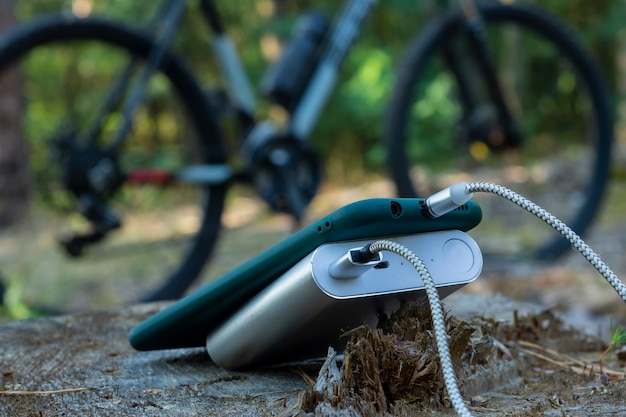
619 336
597 24
354 116
13 305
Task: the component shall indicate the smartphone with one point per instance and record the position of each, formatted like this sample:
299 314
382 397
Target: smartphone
189 321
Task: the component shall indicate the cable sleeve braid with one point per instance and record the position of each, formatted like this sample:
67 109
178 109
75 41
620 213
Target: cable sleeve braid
436 311
575 240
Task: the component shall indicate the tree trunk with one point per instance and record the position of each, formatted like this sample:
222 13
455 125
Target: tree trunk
14 173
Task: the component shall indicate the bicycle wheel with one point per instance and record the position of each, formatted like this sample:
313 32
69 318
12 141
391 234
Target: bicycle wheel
435 136
169 227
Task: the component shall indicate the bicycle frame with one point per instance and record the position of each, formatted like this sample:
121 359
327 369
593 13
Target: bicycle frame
306 113
338 43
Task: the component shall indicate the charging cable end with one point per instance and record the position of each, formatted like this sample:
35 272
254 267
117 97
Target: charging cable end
447 199
354 263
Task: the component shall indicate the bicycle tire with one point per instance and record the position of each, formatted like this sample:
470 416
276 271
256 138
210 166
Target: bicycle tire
112 36
525 21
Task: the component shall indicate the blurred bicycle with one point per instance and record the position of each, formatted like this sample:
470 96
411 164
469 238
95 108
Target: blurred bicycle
137 163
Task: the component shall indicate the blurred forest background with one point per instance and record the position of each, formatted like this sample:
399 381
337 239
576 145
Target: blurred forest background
349 134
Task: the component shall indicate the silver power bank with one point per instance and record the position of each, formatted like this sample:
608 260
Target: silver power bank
307 309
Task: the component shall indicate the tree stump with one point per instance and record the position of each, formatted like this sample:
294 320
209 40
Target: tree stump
82 365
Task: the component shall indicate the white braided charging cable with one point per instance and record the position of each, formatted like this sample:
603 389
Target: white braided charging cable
447 200
436 311
557 225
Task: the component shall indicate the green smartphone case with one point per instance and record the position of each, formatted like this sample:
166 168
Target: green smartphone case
187 322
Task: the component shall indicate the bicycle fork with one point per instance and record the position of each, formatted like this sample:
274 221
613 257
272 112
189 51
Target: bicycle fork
508 134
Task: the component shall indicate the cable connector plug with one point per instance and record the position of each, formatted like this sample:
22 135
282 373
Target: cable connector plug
447 199
354 263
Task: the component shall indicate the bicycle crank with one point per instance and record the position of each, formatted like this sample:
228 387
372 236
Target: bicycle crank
286 173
